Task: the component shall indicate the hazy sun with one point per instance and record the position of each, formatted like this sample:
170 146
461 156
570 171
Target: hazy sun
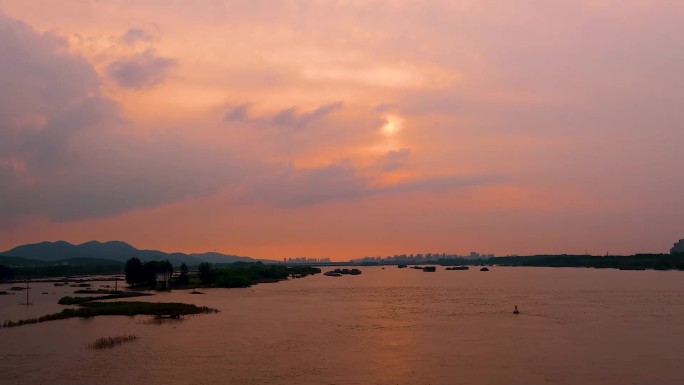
392 125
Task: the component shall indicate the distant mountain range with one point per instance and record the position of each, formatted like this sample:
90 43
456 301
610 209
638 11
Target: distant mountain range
65 252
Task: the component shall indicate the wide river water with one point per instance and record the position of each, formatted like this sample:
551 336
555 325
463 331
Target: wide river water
386 326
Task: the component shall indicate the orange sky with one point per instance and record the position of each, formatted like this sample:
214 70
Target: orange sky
343 128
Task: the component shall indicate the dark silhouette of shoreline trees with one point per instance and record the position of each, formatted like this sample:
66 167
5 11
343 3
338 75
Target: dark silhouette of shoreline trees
6 273
238 274
245 274
184 276
144 274
623 262
205 272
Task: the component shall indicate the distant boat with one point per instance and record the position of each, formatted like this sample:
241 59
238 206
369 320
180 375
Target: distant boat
429 269
402 266
484 269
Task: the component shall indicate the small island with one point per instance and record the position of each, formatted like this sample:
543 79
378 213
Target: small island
341 272
89 309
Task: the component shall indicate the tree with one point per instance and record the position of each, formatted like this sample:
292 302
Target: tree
205 273
150 270
183 278
134 271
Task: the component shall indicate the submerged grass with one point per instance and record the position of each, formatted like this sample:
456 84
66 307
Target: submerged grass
160 321
110 342
94 309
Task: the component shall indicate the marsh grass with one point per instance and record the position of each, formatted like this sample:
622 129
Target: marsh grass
110 342
160 321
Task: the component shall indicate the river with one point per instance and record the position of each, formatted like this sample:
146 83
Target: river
386 326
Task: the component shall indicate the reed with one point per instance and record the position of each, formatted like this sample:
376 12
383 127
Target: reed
110 342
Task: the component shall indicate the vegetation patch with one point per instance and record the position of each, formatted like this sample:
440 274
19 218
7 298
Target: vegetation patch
96 291
110 342
94 309
81 300
18 288
160 321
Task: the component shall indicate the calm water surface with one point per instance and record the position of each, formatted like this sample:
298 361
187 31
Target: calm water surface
391 326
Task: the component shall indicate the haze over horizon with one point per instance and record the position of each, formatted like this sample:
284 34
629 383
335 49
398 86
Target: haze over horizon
343 128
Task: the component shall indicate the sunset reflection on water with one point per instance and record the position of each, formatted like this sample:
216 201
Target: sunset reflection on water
391 326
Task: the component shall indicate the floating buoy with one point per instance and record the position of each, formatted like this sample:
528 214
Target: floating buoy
516 310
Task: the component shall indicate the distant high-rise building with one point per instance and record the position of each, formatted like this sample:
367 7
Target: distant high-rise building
678 247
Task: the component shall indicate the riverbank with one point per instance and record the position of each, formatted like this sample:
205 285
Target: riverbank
622 262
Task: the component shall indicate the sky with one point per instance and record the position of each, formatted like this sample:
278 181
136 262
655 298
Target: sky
344 128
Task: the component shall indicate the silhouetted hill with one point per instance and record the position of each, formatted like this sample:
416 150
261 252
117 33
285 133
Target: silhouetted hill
220 258
113 250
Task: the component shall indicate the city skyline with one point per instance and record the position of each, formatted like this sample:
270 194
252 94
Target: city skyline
343 128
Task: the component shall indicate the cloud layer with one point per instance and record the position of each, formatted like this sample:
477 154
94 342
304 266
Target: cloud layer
450 125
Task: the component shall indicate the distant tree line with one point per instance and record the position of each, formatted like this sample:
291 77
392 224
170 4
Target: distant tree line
6 273
625 262
245 274
65 270
144 274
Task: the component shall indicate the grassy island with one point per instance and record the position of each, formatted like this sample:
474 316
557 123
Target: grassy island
94 309
81 300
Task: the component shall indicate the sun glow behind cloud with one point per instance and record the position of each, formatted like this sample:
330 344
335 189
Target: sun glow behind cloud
392 125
